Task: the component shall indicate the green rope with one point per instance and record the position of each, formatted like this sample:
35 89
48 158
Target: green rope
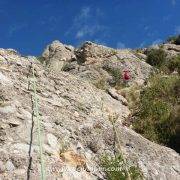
36 111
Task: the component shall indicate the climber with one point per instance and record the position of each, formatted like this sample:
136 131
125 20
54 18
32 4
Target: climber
126 76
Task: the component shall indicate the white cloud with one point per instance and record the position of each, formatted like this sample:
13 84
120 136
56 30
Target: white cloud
146 28
177 30
120 45
173 2
99 12
15 28
167 18
157 41
51 22
142 44
99 41
88 30
85 12
83 16
85 23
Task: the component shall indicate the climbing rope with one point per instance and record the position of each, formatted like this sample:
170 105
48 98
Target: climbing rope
36 112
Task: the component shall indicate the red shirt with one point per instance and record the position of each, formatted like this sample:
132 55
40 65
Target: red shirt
126 75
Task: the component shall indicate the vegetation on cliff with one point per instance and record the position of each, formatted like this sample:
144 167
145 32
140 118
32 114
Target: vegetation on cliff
158 117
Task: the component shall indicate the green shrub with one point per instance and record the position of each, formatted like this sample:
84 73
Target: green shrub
114 52
174 39
115 168
177 40
40 59
116 75
174 64
174 140
132 94
67 67
101 84
171 39
156 57
155 118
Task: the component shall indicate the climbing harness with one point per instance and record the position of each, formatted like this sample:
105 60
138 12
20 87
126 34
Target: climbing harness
36 113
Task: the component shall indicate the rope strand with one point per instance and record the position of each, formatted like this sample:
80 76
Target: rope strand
36 112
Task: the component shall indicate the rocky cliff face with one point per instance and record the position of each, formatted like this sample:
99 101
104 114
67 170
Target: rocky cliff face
93 62
75 115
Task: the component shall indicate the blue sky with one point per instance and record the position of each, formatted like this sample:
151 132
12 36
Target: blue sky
29 25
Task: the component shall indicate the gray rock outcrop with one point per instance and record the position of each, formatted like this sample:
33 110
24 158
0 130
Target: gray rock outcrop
94 62
56 54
